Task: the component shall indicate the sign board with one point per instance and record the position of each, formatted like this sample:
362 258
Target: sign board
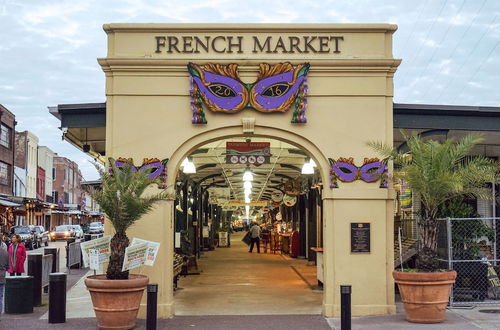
242 203
254 153
135 256
205 231
94 259
494 282
152 252
223 241
177 240
360 237
102 244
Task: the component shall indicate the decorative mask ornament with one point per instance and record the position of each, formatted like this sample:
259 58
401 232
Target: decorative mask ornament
155 167
277 88
372 170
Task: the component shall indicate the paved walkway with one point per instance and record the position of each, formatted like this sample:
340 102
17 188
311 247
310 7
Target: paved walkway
235 282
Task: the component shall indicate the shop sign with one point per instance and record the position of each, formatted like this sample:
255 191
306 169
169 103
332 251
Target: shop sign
103 244
298 44
135 256
152 252
360 237
242 203
254 153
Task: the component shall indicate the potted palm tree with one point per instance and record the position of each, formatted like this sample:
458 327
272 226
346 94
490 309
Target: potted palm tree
116 296
437 172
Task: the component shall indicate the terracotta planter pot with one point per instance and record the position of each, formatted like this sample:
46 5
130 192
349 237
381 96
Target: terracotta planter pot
425 295
116 302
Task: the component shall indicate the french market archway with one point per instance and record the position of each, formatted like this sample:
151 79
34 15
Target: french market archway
160 101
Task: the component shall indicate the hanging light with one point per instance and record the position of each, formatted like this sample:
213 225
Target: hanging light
189 167
247 199
308 168
248 176
248 191
184 162
312 162
247 185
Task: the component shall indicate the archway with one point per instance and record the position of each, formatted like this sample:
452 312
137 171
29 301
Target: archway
252 278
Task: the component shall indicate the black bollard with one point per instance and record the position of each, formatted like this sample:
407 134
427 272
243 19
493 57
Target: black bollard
152 306
35 270
345 307
57 298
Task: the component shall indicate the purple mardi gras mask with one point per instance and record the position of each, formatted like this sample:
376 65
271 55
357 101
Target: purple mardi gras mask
372 170
277 88
155 167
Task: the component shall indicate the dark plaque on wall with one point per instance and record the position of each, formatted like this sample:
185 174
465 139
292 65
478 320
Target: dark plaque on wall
360 237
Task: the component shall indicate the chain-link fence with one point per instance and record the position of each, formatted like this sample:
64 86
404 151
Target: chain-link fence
471 247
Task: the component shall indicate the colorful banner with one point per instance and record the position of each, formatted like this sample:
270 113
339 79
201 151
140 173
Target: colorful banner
405 199
135 256
102 244
153 248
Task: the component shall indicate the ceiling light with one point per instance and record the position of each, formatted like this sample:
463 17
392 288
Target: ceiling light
189 167
184 162
307 168
247 199
247 185
248 191
312 162
248 176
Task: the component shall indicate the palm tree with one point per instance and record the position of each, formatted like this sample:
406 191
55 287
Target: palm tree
439 172
121 198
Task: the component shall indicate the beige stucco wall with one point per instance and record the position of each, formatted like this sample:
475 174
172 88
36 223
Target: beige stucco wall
349 103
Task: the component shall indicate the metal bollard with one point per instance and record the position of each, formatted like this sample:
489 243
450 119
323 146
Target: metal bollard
57 298
152 307
35 270
345 307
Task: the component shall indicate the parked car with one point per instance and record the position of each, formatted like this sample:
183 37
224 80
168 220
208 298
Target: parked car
41 236
78 231
96 228
62 232
27 236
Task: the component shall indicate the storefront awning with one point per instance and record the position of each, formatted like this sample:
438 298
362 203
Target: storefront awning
8 203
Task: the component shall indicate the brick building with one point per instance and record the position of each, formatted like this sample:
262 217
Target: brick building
7 129
66 182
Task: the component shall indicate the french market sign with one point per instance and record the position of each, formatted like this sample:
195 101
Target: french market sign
236 44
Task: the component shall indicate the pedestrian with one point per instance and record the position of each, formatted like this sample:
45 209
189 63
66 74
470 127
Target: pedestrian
17 256
255 236
4 264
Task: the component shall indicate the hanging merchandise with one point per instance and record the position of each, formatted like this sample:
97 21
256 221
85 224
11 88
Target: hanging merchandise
278 216
406 201
293 187
277 196
289 200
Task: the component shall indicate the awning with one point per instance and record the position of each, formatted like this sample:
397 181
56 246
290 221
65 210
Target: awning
8 203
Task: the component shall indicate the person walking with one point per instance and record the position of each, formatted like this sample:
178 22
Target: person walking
4 264
255 236
17 256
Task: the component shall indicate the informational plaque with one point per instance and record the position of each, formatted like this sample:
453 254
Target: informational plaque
360 237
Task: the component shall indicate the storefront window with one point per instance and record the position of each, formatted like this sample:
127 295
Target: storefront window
5 136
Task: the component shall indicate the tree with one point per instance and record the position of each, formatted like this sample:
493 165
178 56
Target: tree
123 200
439 172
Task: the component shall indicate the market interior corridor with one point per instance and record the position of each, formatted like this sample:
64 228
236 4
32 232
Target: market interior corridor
233 281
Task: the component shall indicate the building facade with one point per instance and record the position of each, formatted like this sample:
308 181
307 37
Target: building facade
7 144
46 163
66 182
31 165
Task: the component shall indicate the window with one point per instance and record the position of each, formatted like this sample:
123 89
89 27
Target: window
66 198
4 173
55 196
53 173
5 136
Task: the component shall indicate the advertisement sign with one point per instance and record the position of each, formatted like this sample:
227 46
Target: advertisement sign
254 153
94 259
102 244
223 241
135 256
152 252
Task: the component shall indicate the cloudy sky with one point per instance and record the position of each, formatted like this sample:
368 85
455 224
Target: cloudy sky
48 49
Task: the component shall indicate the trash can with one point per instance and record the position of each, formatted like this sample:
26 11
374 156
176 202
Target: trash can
19 294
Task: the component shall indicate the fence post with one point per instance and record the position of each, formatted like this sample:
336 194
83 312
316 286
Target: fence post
152 307
35 270
345 307
450 253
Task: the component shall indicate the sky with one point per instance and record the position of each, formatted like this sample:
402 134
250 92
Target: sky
48 49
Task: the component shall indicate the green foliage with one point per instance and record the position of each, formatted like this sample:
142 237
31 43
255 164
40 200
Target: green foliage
439 172
123 200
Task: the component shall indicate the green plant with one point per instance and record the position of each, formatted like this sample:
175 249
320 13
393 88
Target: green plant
123 201
439 172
